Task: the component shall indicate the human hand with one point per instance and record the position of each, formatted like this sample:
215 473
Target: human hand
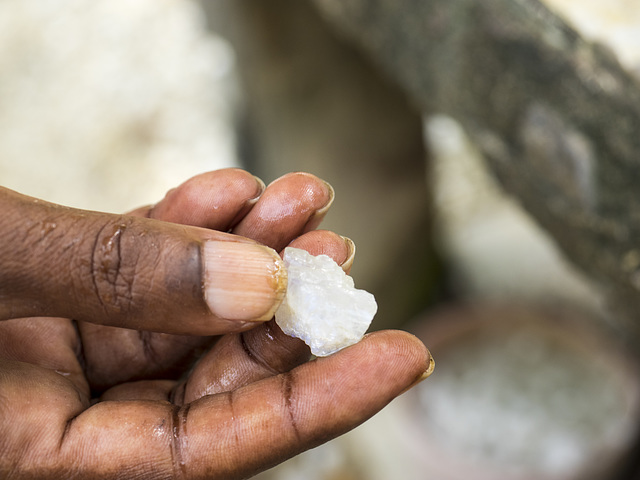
197 383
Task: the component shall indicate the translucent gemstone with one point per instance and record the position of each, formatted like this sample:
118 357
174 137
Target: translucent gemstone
322 307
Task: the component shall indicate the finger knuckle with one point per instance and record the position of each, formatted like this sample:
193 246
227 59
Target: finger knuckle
113 267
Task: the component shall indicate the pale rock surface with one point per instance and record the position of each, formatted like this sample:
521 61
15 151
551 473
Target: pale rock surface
322 307
613 23
109 103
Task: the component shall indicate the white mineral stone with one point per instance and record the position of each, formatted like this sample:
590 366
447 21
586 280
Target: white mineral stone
322 307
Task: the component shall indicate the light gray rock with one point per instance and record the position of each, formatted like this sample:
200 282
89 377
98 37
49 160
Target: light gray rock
322 307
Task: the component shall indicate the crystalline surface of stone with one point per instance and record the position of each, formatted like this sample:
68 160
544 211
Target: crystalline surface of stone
322 307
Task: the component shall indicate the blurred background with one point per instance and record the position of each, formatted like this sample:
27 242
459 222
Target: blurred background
107 104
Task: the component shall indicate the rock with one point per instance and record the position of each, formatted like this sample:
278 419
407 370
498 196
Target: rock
322 307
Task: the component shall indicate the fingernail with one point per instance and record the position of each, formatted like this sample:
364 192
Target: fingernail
351 254
332 195
261 187
243 281
426 374
249 203
318 215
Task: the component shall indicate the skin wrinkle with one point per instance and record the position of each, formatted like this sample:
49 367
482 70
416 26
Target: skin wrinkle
231 401
130 280
113 288
179 440
116 241
126 280
92 266
149 352
255 357
79 348
113 266
65 433
288 380
176 396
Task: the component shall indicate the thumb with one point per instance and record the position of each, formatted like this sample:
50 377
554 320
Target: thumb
131 272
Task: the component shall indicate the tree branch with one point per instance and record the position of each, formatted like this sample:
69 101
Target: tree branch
557 117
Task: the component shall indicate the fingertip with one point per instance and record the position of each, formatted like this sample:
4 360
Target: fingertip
292 204
406 352
216 200
316 218
323 242
420 364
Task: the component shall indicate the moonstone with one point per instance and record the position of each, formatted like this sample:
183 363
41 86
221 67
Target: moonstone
322 307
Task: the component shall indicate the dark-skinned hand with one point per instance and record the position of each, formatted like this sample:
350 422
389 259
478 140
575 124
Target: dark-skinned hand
142 346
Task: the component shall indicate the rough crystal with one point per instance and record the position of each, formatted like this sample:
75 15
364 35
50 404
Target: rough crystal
322 307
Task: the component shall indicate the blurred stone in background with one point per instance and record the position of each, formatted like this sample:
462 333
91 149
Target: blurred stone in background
519 393
613 23
494 250
106 104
